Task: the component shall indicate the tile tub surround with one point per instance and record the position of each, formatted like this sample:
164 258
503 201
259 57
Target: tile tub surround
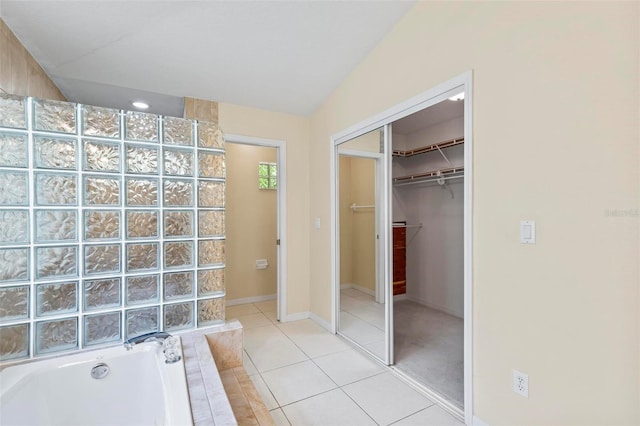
209 401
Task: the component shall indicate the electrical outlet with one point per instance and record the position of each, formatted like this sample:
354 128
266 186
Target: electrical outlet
521 383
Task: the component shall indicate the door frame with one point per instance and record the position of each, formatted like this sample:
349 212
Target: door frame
281 207
439 93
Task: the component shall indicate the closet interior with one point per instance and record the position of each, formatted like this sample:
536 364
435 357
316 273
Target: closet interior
428 247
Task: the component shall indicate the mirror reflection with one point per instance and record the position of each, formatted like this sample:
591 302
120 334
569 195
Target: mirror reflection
362 301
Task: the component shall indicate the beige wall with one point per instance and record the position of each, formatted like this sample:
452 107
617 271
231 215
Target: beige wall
363 193
556 122
20 74
357 228
346 219
294 130
251 224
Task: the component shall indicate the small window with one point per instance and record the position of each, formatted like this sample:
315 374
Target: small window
267 176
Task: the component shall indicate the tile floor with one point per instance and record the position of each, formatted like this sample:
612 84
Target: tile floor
307 376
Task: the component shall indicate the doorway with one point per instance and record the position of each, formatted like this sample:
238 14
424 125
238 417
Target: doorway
255 214
442 177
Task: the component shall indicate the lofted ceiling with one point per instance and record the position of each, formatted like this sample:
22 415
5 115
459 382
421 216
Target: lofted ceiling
283 56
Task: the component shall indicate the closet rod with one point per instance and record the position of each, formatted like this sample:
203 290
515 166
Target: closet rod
437 174
425 180
354 207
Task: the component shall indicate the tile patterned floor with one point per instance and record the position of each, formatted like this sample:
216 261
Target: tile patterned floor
307 376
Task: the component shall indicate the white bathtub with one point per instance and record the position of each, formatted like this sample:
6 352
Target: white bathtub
140 389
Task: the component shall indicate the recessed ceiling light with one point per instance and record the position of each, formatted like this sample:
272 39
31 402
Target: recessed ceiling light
458 97
140 104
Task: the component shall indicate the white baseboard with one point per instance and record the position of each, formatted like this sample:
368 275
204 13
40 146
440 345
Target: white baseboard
297 316
254 299
321 322
359 288
435 306
478 422
401 297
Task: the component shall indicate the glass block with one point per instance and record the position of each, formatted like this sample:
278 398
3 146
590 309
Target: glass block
178 254
13 149
101 294
102 328
140 126
13 111
210 135
210 194
178 193
211 165
178 316
142 192
14 264
56 189
210 311
142 256
13 189
103 191
98 121
55 153
210 223
178 285
56 262
178 162
54 116
210 281
142 159
142 321
143 289
142 224
56 335
211 252
178 223
56 298
101 225
14 303
101 259
14 341
56 225
14 227
102 156
178 131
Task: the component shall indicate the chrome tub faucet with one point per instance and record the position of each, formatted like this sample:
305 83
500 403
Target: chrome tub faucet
169 344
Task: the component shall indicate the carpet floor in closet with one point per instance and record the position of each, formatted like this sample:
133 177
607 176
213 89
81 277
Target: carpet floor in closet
429 344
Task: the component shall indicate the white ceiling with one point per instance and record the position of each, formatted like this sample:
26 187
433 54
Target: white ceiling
442 111
278 55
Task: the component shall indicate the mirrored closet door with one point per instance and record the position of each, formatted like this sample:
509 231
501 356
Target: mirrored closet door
364 312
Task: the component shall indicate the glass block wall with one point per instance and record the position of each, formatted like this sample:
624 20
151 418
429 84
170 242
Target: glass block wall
111 225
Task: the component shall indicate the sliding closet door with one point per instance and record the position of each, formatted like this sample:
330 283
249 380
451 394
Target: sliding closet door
364 296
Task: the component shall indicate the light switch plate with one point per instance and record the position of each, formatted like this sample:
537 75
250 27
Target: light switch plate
528 232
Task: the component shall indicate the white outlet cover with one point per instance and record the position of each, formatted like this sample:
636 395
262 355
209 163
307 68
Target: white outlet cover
521 383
